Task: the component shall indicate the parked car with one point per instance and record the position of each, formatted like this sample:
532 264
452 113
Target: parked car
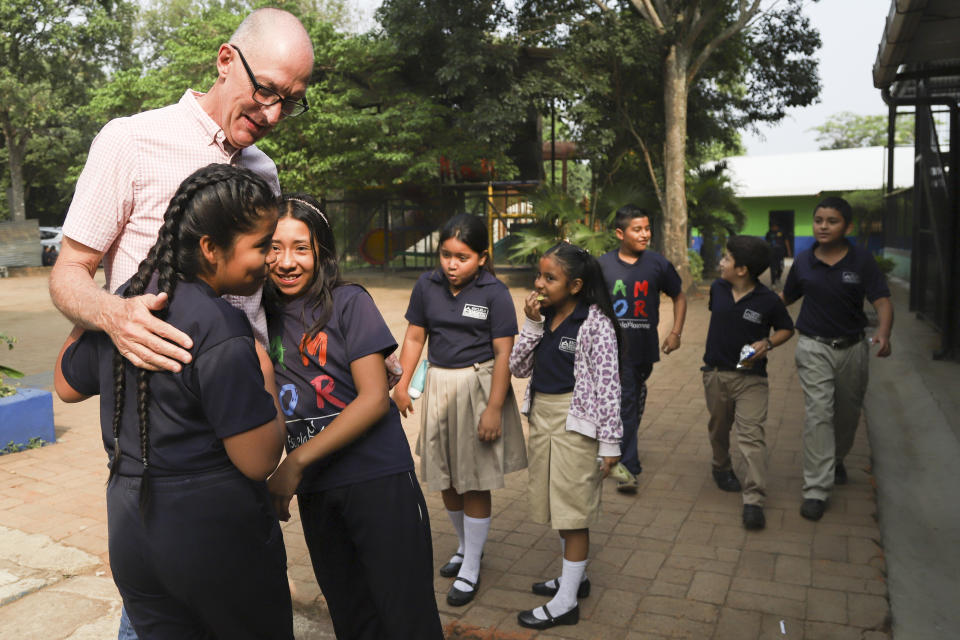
51 237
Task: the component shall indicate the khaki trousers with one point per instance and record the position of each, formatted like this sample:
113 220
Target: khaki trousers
834 382
740 399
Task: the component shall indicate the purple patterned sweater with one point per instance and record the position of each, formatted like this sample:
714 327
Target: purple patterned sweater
595 406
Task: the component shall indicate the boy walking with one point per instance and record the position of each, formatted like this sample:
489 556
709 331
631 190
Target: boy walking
635 276
742 312
832 354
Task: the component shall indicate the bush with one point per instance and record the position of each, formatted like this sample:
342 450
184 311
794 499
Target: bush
696 264
886 264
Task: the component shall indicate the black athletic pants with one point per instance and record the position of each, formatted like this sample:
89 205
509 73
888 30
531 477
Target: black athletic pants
208 562
372 554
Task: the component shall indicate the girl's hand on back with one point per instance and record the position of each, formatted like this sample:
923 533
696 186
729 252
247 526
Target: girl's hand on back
402 399
531 306
489 429
283 484
608 463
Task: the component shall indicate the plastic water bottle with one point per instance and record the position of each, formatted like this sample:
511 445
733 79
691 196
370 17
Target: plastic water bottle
419 380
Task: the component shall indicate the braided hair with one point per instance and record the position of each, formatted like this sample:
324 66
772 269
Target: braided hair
578 263
219 201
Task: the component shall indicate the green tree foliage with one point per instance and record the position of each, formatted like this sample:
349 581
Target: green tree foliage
847 130
52 52
664 80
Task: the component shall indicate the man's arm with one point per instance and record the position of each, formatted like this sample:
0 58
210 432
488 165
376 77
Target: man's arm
145 340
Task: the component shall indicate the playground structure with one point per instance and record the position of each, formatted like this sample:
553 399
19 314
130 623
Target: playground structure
398 229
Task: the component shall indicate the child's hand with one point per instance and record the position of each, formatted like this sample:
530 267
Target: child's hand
608 463
489 428
402 399
394 370
760 349
283 484
671 342
531 306
884 342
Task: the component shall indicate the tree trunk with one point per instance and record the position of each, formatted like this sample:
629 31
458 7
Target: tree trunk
16 152
674 161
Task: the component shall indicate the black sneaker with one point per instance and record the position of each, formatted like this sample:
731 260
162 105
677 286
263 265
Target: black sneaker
839 473
812 509
753 518
726 480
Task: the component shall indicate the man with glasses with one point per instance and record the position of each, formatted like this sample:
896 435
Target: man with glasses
136 163
134 167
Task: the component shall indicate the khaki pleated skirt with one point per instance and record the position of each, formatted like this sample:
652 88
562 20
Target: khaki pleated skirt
451 453
564 486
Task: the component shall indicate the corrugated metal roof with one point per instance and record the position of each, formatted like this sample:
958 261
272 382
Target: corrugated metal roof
808 173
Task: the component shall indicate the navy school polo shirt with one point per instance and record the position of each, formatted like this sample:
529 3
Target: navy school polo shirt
219 394
833 295
734 324
314 383
553 356
635 294
461 328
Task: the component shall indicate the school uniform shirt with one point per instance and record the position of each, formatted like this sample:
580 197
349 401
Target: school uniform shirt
734 324
833 295
220 393
553 359
315 384
635 294
461 328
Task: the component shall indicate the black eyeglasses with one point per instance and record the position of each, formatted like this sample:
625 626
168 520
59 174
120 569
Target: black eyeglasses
268 97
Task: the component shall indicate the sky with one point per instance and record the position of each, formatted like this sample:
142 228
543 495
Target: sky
850 31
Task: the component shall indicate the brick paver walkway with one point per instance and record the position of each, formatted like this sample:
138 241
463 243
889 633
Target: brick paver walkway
672 561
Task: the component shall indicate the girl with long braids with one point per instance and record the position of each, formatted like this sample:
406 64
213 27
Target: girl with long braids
195 546
364 518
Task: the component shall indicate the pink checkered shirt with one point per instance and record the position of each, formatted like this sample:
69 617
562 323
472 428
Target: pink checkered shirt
134 167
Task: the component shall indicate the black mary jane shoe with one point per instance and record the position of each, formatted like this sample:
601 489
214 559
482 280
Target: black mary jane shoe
452 568
457 598
545 589
530 621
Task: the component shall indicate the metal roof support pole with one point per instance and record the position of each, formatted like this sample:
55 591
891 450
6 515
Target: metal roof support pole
950 337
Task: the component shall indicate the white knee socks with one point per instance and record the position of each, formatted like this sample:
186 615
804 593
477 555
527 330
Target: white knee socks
475 536
456 518
566 598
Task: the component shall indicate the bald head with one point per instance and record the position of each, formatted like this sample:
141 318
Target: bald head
271 27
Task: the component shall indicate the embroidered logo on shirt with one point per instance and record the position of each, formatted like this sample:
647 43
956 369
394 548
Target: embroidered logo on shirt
850 277
752 316
475 311
568 344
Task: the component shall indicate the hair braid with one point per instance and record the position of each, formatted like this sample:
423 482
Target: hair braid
143 413
119 392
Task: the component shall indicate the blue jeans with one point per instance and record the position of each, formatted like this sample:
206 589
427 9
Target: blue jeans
633 399
126 631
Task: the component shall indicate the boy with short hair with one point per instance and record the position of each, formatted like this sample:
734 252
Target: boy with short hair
635 276
742 312
833 278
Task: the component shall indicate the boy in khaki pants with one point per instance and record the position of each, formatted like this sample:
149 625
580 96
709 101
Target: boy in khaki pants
742 313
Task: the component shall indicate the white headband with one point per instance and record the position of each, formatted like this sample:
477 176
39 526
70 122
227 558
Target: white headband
319 213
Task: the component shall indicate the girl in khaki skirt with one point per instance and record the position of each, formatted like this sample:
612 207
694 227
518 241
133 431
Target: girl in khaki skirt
470 431
573 404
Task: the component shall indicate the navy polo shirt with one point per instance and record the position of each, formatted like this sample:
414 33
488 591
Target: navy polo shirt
314 384
462 328
833 295
218 394
734 324
554 355
635 294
